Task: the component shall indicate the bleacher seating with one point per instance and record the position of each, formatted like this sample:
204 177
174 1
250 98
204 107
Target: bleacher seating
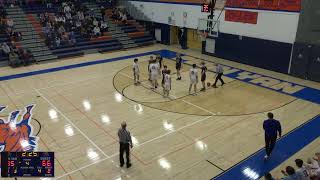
28 22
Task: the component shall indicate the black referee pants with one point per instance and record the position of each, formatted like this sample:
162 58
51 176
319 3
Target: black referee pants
124 148
270 143
218 78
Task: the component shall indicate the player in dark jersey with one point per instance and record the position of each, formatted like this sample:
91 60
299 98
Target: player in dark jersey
160 59
178 66
164 71
203 76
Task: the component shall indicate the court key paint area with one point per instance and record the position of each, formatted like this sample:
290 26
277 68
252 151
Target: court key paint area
80 112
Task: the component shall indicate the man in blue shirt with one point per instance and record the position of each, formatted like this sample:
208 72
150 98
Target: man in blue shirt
271 129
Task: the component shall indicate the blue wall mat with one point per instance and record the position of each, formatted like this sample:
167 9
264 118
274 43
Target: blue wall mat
300 59
314 64
261 53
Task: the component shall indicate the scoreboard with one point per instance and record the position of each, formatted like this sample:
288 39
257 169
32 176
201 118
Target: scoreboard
27 164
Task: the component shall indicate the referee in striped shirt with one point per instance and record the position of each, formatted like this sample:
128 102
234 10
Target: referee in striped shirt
125 143
219 73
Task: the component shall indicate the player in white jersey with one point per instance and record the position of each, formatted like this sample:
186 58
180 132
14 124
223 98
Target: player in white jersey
154 73
136 71
193 74
150 62
166 84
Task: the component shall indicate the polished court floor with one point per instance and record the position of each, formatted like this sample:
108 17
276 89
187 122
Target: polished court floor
79 110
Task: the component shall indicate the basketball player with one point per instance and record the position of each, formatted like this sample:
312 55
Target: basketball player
167 84
178 66
164 71
160 59
203 76
136 71
193 74
154 72
150 61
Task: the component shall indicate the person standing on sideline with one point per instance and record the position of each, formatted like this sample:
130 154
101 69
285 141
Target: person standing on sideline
136 71
178 66
219 73
193 79
271 129
125 144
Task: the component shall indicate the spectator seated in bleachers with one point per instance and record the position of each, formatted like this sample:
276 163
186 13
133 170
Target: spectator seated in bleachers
124 18
14 60
25 56
268 176
57 41
103 26
10 23
289 174
313 168
96 31
302 171
317 157
5 48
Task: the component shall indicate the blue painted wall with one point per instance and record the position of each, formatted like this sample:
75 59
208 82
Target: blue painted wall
261 53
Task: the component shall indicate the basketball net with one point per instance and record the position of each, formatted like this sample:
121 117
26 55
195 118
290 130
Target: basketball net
217 4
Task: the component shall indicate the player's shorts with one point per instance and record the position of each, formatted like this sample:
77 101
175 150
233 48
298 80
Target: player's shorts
178 66
203 77
154 76
193 81
167 87
136 73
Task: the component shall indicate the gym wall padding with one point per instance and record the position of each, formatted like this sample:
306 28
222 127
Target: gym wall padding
256 52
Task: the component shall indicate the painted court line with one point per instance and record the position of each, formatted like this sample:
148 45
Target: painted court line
254 166
174 96
139 145
307 93
67 119
57 85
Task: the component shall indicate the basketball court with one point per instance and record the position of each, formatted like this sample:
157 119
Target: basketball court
78 104
81 102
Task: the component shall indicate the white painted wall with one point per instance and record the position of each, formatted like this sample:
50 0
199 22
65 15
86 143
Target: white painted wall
276 26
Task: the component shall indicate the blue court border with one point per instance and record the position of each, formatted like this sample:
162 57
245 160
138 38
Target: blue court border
286 146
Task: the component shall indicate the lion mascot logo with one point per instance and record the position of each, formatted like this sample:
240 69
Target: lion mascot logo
17 136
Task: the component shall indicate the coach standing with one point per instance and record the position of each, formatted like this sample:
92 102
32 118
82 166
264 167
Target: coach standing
271 129
125 143
219 73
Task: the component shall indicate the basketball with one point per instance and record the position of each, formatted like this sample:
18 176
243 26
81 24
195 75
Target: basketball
208 84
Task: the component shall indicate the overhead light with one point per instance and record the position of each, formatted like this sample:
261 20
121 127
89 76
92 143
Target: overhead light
164 163
53 114
250 173
201 145
118 97
168 126
68 130
86 104
92 154
105 119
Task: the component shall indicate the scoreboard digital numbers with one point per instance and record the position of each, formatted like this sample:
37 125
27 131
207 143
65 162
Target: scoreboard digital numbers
27 164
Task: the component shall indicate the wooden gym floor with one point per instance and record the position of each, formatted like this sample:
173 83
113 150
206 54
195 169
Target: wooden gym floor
79 110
